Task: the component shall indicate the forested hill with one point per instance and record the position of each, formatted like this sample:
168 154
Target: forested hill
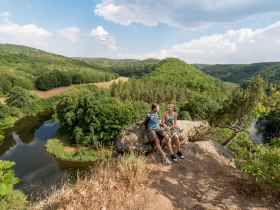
174 80
124 67
241 73
31 68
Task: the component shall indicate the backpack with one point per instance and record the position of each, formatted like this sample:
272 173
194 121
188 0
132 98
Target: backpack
146 123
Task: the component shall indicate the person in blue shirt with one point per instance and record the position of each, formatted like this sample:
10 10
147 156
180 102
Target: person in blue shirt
154 129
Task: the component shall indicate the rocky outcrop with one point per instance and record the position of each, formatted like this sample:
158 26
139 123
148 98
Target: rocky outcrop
213 149
136 139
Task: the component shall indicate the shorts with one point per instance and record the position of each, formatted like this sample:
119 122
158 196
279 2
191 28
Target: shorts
156 134
172 132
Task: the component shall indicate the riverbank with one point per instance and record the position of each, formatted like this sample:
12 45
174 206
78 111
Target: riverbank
56 91
64 152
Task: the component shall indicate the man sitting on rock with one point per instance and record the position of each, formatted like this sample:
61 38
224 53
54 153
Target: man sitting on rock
154 129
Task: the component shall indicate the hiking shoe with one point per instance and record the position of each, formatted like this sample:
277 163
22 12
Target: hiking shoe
173 157
166 160
180 154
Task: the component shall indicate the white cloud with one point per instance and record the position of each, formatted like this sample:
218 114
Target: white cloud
29 34
182 13
5 14
234 46
70 33
103 37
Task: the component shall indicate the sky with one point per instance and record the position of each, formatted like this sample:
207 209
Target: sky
196 31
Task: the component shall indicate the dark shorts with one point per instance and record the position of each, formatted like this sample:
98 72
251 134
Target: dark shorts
156 134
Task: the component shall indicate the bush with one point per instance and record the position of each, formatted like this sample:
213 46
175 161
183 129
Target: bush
15 200
93 118
4 111
20 98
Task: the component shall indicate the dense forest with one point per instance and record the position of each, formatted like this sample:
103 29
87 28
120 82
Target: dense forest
241 73
123 67
30 68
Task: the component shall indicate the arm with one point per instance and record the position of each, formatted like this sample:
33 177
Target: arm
163 120
175 120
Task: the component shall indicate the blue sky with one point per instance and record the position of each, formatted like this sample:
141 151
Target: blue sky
196 31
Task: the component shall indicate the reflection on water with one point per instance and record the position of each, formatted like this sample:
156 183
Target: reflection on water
37 170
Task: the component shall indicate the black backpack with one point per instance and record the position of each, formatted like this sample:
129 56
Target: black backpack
146 123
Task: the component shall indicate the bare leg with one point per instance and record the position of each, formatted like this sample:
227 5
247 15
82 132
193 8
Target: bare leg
159 147
177 141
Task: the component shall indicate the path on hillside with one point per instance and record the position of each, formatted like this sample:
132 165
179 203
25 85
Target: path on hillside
2 100
203 180
55 91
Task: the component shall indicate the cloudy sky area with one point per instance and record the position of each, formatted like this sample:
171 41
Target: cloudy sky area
196 31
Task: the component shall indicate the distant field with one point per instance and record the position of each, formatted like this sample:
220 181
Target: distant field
2 100
55 91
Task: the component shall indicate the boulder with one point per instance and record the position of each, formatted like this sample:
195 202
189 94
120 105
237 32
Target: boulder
136 139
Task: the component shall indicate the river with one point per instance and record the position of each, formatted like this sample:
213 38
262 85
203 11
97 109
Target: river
38 171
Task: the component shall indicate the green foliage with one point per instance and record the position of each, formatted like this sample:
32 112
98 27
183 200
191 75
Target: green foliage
56 148
25 67
7 177
165 83
123 67
275 142
242 105
4 111
242 73
15 200
20 98
92 118
264 164
184 115
199 107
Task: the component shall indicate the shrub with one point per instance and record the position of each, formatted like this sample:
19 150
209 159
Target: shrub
133 169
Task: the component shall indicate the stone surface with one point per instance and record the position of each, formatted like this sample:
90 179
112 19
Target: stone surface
136 139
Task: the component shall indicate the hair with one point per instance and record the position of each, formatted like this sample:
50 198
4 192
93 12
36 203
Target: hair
171 105
154 105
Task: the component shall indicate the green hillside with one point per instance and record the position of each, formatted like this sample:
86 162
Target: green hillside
241 73
173 80
124 67
35 69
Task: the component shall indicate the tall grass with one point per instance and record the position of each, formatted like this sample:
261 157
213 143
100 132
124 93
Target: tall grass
108 186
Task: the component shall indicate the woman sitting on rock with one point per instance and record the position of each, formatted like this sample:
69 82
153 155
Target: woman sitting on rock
168 121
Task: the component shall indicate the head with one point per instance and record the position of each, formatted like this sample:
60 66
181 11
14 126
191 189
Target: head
155 107
170 107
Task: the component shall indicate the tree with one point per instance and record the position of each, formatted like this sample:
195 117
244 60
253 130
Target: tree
241 107
20 98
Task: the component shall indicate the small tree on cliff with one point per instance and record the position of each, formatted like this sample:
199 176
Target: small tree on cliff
241 107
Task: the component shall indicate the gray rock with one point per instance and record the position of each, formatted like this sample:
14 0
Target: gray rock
136 139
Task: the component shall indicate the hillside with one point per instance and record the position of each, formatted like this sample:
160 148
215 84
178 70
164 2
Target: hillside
241 73
205 179
123 67
173 80
23 66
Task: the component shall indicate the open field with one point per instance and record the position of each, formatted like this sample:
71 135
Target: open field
55 91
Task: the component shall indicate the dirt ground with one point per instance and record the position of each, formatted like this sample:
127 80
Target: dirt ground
201 181
2 100
55 91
